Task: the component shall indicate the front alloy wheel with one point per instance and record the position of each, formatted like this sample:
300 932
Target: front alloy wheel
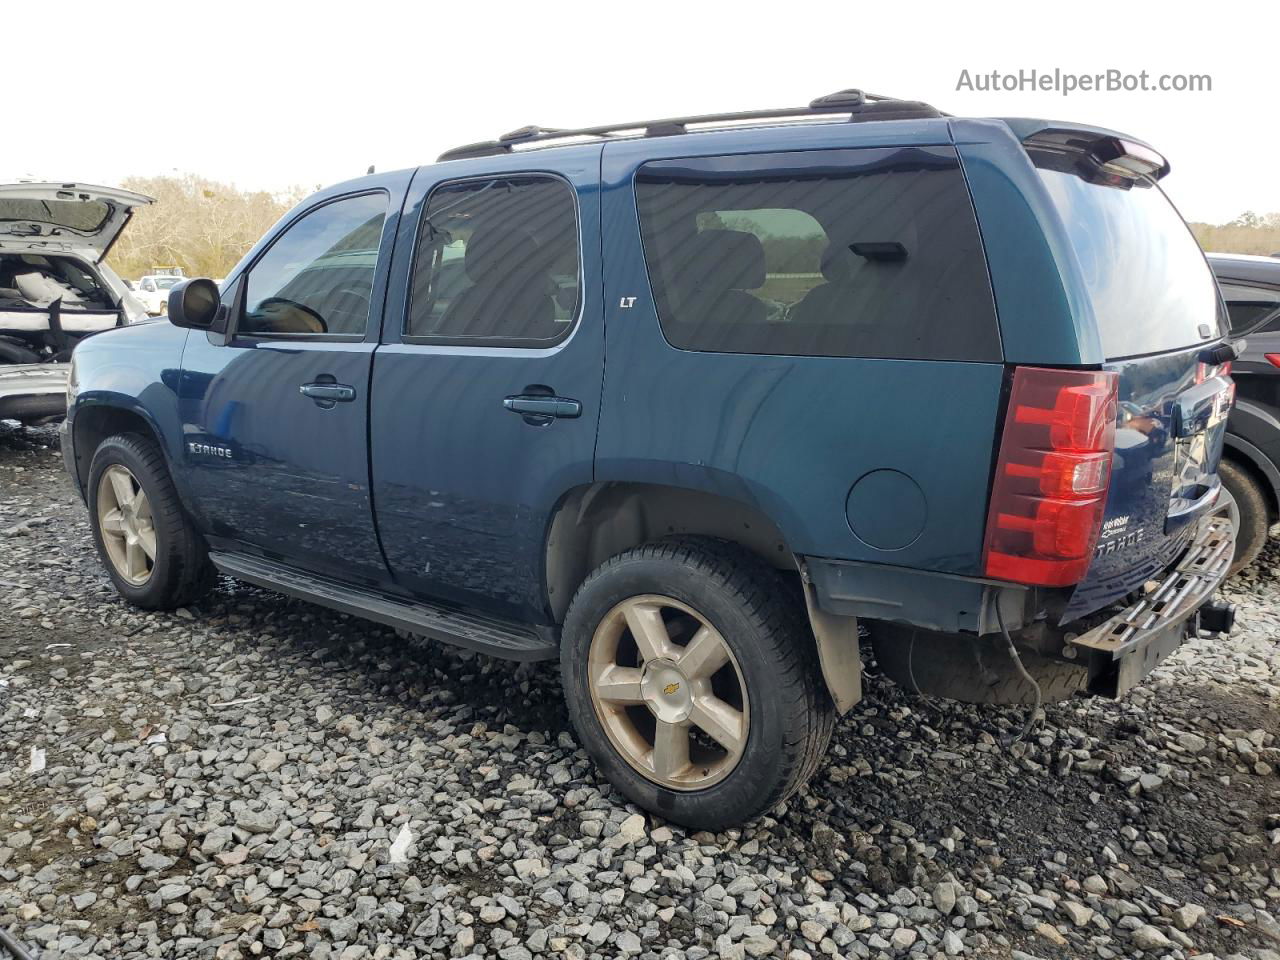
126 525
154 555
669 693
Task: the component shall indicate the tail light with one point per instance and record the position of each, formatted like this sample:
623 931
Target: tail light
1052 476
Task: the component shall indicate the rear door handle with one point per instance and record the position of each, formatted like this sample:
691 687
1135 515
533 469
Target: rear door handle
543 409
327 394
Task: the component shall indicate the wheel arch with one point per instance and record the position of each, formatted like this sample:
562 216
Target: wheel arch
596 521
94 423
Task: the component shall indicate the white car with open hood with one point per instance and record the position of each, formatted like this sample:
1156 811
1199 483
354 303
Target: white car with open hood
54 288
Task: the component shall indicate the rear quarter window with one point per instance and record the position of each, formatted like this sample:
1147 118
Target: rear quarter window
844 253
497 263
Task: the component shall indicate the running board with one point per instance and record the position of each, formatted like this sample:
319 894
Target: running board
507 639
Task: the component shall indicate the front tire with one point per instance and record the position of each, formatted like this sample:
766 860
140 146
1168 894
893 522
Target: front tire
692 679
1253 520
153 554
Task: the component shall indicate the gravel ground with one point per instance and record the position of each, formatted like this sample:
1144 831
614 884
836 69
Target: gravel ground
256 776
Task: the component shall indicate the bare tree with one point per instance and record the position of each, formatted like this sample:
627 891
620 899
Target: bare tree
201 225
1247 233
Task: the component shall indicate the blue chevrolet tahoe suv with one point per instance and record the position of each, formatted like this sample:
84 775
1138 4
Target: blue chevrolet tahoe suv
685 402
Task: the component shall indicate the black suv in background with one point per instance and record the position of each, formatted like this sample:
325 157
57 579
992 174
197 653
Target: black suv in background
1251 461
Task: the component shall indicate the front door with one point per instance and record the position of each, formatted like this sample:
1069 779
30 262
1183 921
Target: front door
485 399
275 422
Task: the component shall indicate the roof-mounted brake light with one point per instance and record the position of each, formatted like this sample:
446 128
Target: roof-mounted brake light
1124 158
1105 154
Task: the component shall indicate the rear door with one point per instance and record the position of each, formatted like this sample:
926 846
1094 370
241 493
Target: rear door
1156 309
275 423
486 391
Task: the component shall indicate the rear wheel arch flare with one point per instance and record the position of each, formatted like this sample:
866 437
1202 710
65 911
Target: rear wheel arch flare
598 521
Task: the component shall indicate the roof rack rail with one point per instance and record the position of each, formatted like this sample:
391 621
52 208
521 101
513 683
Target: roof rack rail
858 104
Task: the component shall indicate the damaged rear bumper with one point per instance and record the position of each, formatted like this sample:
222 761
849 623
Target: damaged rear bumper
1126 647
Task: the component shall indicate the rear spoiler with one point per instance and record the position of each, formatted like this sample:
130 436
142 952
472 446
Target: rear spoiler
1116 154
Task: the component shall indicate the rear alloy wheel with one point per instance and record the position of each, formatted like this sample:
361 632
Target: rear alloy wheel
668 692
691 677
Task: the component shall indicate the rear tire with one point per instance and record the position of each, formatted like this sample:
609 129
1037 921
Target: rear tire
695 588
1253 516
173 567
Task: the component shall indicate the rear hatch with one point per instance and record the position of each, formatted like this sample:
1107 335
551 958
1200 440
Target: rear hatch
1159 318
72 217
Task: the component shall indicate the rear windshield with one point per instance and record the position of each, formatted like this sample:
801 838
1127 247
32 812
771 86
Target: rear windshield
1150 285
83 215
839 253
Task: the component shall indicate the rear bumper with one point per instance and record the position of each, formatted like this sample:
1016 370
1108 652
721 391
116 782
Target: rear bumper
41 388
1127 646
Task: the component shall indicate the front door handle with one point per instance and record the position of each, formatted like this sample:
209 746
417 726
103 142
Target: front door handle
327 394
536 409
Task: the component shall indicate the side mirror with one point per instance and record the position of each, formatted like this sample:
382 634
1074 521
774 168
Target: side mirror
197 304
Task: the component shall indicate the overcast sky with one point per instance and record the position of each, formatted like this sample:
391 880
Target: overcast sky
273 94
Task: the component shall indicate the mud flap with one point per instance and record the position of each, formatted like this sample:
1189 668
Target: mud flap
837 640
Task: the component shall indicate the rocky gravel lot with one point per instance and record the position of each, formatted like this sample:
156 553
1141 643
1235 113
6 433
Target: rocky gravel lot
260 777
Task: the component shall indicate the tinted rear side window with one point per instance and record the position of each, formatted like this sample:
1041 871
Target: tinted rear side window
1150 285
842 253
497 264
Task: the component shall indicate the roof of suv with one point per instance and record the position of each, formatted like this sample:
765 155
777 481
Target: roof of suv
815 126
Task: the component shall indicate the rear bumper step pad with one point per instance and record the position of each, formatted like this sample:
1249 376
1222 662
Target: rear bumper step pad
1171 601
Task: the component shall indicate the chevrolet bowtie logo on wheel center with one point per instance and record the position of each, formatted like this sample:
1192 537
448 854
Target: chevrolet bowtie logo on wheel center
670 688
